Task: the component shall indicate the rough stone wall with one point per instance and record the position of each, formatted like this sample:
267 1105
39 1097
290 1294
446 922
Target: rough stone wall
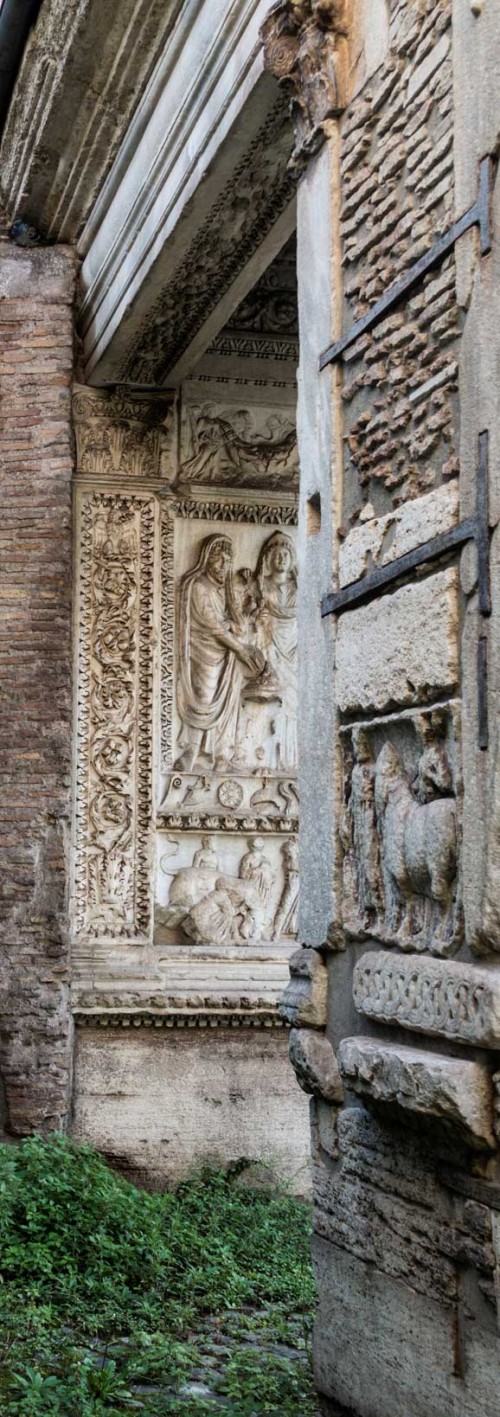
161 1101
397 198
394 999
36 359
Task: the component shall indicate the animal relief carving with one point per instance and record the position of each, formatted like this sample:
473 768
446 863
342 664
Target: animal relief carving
400 840
213 906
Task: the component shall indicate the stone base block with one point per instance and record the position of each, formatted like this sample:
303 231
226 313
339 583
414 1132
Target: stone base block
453 1091
160 1103
382 1350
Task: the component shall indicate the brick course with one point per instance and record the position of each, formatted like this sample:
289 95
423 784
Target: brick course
36 364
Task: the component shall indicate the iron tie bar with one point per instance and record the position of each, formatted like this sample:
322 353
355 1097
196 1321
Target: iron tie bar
477 215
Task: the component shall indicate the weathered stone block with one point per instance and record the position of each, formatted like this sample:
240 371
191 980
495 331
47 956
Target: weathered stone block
451 999
304 1001
402 648
315 1064
409 1345
452 1090
158 1101
380 540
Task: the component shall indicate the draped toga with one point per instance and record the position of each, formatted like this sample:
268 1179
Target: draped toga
210 675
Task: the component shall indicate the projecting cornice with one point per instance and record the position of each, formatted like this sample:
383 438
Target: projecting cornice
84 70
198 202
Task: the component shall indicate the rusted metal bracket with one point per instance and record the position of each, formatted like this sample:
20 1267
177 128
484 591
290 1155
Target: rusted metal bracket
471 529
477 215
376 582
483 577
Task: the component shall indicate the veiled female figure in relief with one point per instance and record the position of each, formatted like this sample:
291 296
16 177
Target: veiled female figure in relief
276 633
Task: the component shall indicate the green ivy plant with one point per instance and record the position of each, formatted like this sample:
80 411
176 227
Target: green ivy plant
112 1299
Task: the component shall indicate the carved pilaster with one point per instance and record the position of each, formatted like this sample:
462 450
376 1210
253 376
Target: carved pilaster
114 719
305 47
123 434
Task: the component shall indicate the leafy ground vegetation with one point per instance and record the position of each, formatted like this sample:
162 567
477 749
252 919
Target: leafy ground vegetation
114 1301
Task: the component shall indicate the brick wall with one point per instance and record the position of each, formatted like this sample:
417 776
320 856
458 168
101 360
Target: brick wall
36 359
400 388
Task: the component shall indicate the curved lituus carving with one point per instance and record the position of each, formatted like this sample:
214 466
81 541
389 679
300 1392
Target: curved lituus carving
451 999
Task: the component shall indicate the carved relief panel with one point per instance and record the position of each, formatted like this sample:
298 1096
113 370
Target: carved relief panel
224 445
229 720
112 892
186 795
400 830
226 890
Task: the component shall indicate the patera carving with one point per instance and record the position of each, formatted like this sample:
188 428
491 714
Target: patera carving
123 433
455 1000
114 776
228 446
399 833
206 802
305 47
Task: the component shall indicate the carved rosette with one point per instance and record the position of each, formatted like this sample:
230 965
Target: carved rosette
305 47
114 723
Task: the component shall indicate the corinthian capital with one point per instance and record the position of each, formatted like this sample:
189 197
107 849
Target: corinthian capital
305 47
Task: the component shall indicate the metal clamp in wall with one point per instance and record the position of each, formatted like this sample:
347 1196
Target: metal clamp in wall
477 215
475 529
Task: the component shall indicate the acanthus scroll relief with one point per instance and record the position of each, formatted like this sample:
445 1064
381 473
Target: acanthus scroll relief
115 689
400 833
